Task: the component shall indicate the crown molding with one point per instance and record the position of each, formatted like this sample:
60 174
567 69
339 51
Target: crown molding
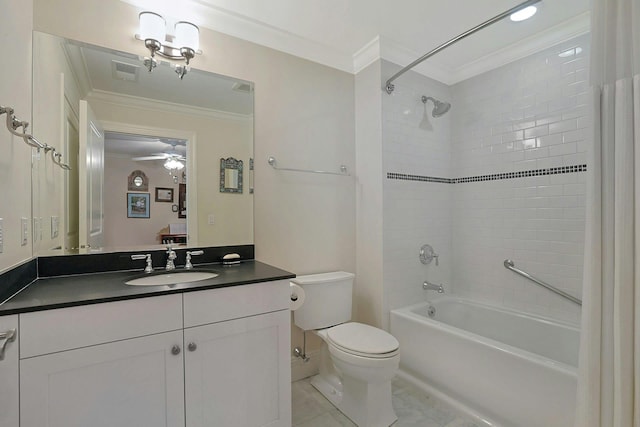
164 106
367 55
380 47
557 34
258 32
384 48
394 52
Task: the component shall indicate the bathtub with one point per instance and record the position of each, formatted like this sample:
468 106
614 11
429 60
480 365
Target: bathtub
503 367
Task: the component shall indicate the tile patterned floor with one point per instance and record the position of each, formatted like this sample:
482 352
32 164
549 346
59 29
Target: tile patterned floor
413 407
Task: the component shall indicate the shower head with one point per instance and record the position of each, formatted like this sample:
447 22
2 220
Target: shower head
440 108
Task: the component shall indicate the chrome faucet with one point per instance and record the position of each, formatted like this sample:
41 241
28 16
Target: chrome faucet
170 258
147 257
188 265
427 286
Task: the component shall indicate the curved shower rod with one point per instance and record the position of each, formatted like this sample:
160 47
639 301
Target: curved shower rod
389 87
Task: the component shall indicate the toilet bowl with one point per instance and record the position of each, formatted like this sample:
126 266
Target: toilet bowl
357 361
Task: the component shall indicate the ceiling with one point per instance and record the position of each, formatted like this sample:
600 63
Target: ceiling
350 34
128 145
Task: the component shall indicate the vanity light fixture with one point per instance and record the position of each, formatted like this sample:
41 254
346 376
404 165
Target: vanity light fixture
182 46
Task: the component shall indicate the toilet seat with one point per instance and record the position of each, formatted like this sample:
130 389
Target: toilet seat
362 340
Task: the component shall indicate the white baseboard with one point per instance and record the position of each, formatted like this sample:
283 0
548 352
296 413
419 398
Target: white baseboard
301 369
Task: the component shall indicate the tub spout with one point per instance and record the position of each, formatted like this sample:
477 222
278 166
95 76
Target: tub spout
432 287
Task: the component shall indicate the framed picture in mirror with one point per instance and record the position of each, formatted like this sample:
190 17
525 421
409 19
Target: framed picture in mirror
138 205
164 194
138 181
182 200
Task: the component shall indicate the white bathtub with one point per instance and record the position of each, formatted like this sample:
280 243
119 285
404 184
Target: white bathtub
505 367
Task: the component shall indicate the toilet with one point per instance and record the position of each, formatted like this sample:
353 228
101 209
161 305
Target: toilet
357 361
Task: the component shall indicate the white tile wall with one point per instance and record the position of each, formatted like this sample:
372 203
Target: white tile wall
531 114
415 213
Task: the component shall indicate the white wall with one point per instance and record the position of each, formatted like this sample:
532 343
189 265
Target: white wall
368 295
15 162
531 114
122 231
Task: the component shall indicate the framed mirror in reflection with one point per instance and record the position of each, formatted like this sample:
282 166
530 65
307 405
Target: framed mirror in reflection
121 127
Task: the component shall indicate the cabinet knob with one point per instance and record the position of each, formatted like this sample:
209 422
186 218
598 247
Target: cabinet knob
192 346
175 350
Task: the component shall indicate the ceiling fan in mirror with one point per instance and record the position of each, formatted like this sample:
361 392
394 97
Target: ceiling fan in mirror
173 161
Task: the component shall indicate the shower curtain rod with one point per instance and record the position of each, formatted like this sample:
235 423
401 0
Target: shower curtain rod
389 85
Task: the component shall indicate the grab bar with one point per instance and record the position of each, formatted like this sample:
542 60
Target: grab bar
509 265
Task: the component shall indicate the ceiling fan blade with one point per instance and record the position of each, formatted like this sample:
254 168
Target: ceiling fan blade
149 158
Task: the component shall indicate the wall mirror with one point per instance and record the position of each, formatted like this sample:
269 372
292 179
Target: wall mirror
117 125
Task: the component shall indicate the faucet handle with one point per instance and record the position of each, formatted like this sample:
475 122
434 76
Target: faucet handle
427 254
188 264
149 267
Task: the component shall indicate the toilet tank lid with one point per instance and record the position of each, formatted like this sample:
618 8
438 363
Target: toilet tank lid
314 279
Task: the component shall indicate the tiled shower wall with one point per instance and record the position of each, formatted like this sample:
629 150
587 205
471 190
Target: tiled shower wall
415 213
529 117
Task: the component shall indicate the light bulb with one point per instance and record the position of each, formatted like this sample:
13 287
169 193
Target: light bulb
152 26
187 35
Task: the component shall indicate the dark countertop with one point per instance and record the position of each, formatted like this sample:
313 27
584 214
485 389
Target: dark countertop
83 289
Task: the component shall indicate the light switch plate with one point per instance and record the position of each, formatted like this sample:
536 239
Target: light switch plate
24 226
211 219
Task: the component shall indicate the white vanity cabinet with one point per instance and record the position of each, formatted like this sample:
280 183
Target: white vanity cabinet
110 364
237 372
9 406
217 357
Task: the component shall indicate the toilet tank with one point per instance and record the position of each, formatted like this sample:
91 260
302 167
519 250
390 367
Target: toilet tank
327 300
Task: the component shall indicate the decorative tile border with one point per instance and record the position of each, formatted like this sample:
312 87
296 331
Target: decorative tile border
491 177
406 177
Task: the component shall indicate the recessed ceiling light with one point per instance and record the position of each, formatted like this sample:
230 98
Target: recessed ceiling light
524 14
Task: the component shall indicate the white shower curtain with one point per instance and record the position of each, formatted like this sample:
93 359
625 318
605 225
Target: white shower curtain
609 372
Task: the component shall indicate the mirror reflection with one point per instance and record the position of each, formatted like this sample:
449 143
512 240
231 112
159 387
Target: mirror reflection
143 148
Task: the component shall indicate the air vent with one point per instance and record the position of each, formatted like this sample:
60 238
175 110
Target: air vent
124 71
242 87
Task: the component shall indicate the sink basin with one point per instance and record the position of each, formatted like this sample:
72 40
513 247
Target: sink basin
171 278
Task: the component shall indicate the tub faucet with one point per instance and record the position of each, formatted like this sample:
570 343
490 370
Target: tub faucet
171 256
432 287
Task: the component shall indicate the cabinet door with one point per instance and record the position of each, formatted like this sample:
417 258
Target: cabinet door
9 375
239 372
131 383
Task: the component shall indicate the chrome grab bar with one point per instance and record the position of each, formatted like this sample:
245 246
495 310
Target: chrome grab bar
8 336
509 265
